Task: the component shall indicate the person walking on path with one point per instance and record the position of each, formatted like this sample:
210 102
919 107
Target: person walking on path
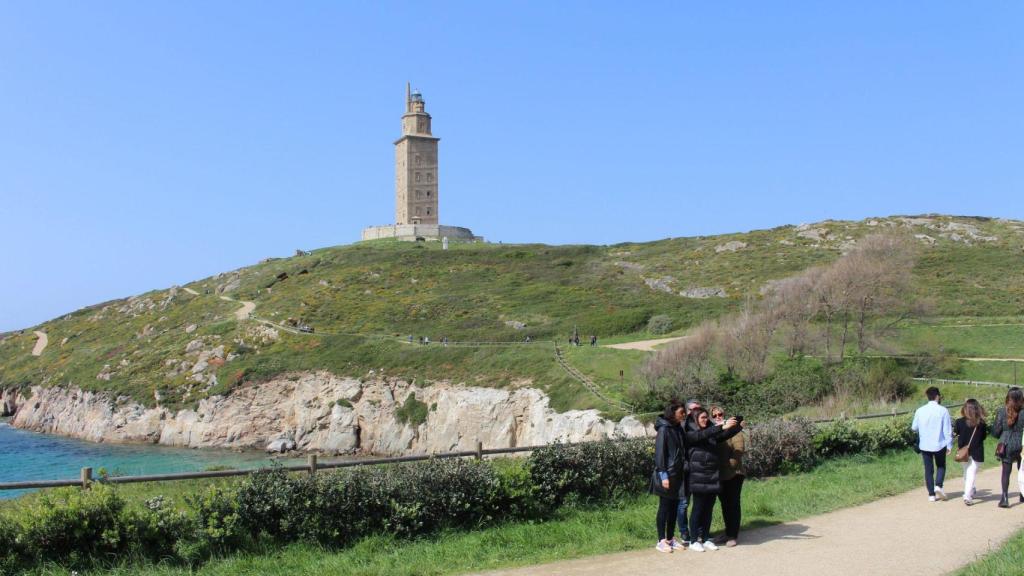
970 430
731 475
668 481
702 438
935 441
1008 428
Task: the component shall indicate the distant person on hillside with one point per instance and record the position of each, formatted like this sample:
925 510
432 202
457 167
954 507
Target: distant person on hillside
702 438
731 475
1008 428
970 430
668 479
935 440
593 340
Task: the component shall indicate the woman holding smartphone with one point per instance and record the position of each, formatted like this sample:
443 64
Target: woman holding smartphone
702 437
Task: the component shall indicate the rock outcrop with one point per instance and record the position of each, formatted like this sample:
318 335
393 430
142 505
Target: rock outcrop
319 411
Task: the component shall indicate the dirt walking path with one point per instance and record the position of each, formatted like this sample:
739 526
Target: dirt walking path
243 312
41 343
993 359
191 291
904 535
645 345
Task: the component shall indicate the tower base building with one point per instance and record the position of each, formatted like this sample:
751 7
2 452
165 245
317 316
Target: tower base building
416 182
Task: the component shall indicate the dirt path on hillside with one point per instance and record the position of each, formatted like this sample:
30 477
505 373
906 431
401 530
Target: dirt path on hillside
645 345
904 535
191 291
41 343
993 359
243 312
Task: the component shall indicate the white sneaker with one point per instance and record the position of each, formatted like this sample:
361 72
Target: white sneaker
931 498
941 495
663 546
678 544
709 545
696 547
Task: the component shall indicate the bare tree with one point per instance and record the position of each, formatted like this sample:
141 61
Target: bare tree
747 339
796 304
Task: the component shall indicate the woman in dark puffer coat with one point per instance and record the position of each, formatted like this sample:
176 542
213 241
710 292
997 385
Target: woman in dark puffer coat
668 480
702 438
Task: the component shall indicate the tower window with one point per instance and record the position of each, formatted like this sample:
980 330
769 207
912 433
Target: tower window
430 177
428 211
419 193
418 176
428 193
417 211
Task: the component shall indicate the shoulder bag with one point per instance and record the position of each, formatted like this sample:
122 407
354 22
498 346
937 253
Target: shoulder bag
963 454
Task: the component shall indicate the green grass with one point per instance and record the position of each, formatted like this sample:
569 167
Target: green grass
1007 372
967 341
576 532
474 291
1007 560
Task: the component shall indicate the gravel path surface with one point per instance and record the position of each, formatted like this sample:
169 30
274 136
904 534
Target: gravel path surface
646 345
904 535
41 343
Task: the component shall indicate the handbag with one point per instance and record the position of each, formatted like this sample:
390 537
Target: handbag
1000 450
963 454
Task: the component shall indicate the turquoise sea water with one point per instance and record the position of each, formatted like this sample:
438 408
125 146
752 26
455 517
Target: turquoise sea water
31 456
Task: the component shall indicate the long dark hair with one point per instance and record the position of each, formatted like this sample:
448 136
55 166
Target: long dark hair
695 414
1014 402
671 409
973 413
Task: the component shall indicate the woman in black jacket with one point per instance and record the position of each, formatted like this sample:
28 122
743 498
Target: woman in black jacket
668 481
702 438
970 430
1008 428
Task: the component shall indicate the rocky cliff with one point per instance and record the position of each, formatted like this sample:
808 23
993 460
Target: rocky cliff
318 411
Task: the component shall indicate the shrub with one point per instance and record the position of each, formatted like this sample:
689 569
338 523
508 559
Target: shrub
159 528
887 380
412 411
74 526
217 527
592 471
893 434
794 383
273 503
10 548
659 324
840 438
779 446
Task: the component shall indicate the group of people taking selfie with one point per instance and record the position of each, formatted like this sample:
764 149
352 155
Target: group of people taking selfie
698 459
936 434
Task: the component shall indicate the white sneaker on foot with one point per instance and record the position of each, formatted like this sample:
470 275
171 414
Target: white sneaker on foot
941 495
663 546
678 544
709 545
931 498
696 547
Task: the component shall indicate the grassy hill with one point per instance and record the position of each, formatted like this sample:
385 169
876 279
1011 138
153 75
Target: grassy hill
363 299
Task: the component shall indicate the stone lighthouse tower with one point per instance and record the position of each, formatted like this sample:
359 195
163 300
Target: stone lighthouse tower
415 165
416 200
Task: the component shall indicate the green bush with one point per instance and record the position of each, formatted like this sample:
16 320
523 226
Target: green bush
659 324
159 527
892 434
10 548
887 380
795 382
274 503
74 526
779 446
840 438
591 472
216 525
413 411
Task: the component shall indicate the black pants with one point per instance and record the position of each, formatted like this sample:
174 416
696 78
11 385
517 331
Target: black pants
1007 468
938 469
700 516
730 497
667 517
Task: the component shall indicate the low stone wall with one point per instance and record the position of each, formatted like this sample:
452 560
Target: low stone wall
411 232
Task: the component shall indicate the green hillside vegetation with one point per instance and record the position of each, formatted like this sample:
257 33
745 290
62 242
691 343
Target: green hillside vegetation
364 300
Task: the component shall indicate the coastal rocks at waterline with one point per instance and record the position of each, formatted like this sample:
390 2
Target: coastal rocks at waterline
318 411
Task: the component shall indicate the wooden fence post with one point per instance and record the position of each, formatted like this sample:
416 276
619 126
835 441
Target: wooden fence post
86 478
479 450
311 460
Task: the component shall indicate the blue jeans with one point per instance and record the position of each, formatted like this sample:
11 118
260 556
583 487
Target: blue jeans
934 463
684 532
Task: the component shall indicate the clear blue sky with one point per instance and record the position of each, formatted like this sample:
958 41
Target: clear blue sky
145 144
